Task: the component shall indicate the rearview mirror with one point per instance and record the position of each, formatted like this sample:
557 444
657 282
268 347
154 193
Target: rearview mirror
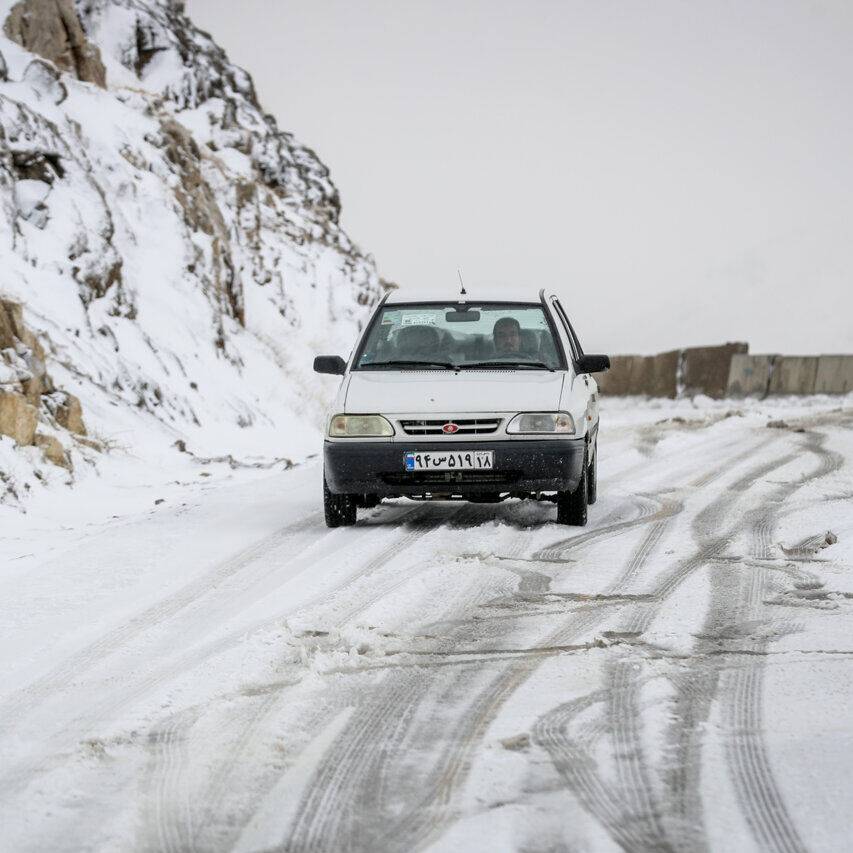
593 363
462 316
330 364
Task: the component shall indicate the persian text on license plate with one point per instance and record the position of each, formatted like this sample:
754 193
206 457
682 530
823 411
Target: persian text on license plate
456 460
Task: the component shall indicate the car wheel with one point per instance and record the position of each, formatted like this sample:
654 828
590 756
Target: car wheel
592 478
571 506
340 510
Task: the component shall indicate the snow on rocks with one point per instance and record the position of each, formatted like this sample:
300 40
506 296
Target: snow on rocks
179 255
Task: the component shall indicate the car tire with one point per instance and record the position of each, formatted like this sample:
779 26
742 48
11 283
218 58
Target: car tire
572 506
592 478
340 510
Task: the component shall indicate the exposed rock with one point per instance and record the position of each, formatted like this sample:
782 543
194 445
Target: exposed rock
202 213
29 389
7 328
18 418
33 388
69 415
12 313
51 29
43 166
4 72
53 450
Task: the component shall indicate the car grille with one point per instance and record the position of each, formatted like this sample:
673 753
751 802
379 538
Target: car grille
466 426
445 478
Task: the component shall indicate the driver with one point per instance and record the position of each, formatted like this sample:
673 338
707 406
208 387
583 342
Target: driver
507 335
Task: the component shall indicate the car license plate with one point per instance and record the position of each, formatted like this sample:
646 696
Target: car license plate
454 460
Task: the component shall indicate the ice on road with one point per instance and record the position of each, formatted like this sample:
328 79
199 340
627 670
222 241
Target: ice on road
221 672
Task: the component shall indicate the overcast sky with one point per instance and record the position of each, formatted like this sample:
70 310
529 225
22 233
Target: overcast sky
681 172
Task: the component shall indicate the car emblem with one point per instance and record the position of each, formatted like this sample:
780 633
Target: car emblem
449 429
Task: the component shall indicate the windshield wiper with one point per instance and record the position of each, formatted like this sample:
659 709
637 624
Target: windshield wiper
407 362
536 365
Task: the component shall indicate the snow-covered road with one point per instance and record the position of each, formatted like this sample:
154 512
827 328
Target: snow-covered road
221 672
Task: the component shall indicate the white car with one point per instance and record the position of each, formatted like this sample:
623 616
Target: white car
463 398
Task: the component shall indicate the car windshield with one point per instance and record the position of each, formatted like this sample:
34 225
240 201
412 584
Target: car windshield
476 336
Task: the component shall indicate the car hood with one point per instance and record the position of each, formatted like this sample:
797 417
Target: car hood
440 392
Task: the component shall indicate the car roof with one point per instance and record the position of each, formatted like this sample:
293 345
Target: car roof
474 295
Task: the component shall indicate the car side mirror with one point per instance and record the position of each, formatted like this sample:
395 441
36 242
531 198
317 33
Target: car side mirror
330 364
593 363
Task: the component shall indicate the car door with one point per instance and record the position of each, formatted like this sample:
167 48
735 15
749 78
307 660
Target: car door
589 384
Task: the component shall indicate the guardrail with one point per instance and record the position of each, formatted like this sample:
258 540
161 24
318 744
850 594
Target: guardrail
726 371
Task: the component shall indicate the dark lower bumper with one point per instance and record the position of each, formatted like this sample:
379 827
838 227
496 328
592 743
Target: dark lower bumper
520 466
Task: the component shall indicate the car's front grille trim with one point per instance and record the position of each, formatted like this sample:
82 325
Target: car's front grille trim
464 426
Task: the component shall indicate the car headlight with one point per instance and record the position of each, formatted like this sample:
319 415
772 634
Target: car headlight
542 422
360 426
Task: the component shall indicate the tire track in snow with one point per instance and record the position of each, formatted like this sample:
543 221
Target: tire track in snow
697 688
323 824
168 748
424 819
633 815
17 775
254 718
354 778
746 752
70 669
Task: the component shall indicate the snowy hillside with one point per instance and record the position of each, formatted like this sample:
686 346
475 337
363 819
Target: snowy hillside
178 257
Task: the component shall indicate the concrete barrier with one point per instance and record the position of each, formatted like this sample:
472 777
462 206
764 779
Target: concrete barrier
659 377
617 381
649 375
726 370
705 370
750 375
794 374
834 374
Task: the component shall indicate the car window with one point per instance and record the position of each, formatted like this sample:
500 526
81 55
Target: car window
577 349
471 336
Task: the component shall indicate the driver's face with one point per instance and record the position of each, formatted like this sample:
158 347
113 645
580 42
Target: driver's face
507 338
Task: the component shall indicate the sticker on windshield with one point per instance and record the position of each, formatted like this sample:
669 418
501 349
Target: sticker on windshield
419 320
389 318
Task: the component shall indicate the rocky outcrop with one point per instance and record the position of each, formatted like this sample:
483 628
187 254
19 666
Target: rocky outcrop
29 398
51 29
68 413
53 450
18 419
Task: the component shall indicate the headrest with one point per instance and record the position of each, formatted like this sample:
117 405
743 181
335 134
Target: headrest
417 337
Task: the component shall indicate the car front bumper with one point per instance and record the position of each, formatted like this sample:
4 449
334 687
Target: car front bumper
520 467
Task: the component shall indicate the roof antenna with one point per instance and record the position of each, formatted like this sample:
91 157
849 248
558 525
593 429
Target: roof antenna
462 291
